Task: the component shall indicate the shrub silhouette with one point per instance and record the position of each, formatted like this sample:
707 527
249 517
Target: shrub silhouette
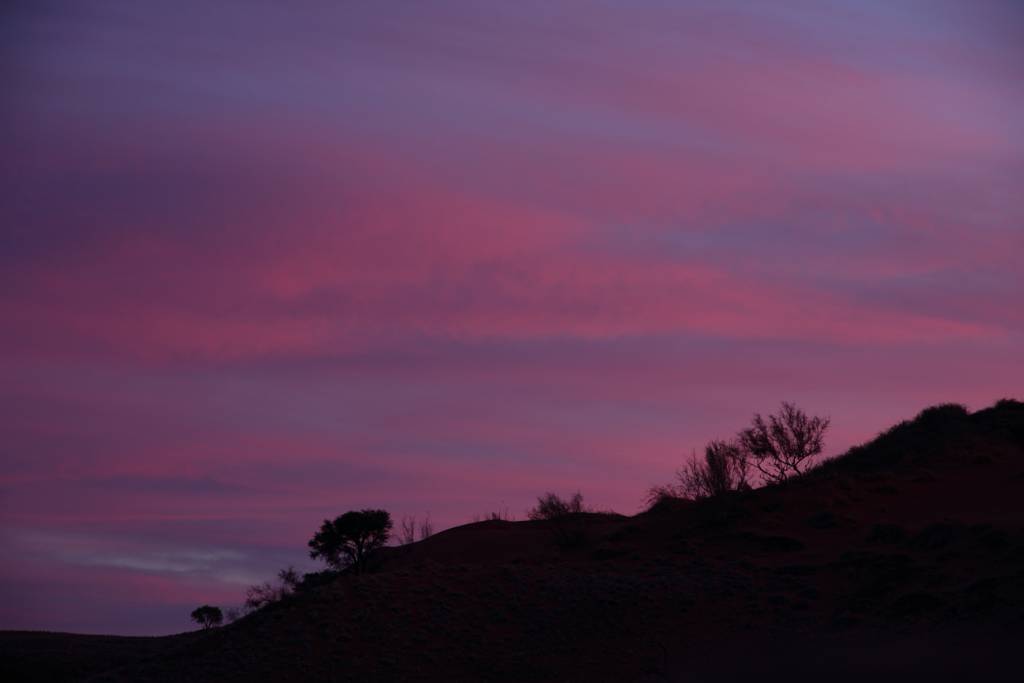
501 515
263 594
348 540
316 579
781 447
563 516
207 616
778 448
724 468
290 579
409 528
550 506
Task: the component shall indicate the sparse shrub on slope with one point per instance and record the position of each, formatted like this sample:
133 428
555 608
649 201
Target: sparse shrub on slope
501 515
551 506
409 528
783 446
724 468
778 448
563 516
267 593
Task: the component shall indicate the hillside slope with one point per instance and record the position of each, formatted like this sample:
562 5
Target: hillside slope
903 557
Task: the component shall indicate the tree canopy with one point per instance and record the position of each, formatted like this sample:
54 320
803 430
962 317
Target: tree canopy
348 540
207 616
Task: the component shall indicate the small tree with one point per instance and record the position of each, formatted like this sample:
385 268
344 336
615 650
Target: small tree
781 447
207 616
349 539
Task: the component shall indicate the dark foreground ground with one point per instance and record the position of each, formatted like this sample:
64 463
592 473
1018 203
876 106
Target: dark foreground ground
902 560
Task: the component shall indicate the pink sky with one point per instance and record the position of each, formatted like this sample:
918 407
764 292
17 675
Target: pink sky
263 266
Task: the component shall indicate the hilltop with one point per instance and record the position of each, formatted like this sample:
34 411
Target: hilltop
902 556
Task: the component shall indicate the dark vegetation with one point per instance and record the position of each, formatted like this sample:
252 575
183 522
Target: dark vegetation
779 448
783 446
263 594
550 506
499 515
207 616
563 517
348 540
409 528
407 533
902 558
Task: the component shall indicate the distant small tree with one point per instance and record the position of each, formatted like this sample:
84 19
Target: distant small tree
207 616
782 446
348 540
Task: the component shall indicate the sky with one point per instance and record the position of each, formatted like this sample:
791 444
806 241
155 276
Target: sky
266 262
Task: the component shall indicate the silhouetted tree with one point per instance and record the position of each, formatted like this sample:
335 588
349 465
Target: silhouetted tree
782 446
207 616
349 539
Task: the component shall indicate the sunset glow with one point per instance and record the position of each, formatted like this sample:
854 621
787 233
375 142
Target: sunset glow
262 266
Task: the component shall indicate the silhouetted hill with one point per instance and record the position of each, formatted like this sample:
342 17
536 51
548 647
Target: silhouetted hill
903 558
